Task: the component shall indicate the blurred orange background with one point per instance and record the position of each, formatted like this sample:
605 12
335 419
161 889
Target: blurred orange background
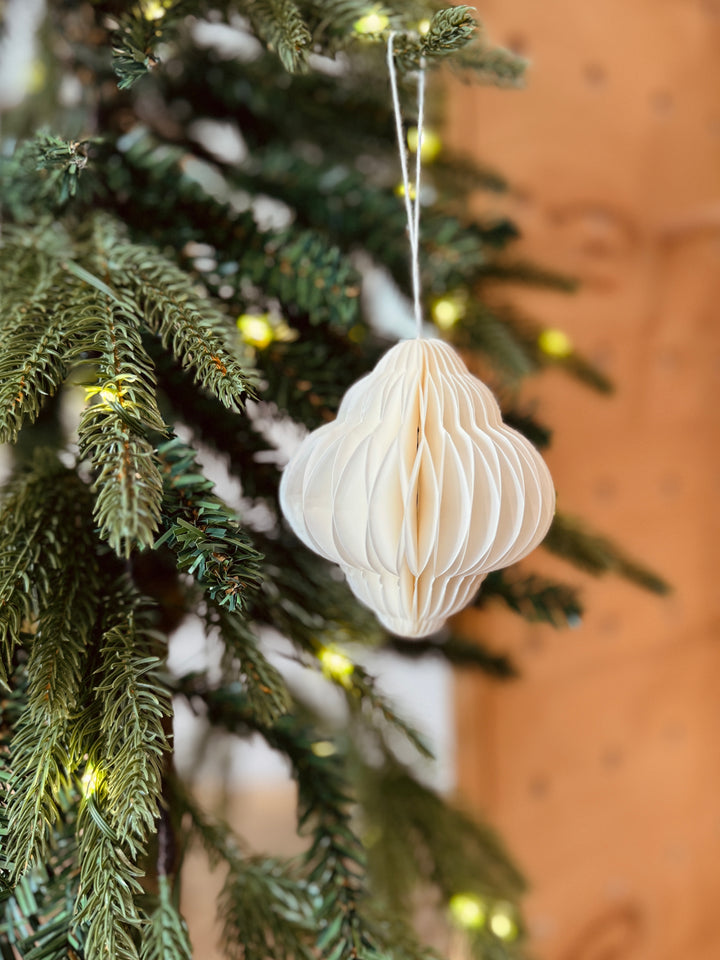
601 766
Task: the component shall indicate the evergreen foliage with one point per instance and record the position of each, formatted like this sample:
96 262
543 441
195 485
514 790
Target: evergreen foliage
201 297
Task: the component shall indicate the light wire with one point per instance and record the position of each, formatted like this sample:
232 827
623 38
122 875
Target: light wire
412 207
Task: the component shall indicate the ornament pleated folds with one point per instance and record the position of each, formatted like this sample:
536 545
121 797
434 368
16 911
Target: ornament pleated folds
418 489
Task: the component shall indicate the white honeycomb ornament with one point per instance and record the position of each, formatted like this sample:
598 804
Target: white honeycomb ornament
418 489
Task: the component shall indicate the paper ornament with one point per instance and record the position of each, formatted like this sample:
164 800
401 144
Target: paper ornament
418 489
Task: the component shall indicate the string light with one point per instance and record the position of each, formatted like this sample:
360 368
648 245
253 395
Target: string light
502 922
323 748
336 665
256 330
153 10
447 310
468 911
424 27
400 190
374 21
109 393
555 343
431 144
90 781
36 76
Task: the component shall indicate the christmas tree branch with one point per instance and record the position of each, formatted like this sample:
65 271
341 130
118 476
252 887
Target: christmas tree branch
569 538
203 532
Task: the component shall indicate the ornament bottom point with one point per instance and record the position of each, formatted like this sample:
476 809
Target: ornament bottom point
412 629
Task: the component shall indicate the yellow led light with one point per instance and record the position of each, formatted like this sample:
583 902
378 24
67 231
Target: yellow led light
153 10
109 394
255 330
335 664
323 748
400 190
424 27
36 76
374 21
431 144
446 311
468 911
90 781
555 343
357 333
502 922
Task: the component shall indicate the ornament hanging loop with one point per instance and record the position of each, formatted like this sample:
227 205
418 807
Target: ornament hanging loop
412 205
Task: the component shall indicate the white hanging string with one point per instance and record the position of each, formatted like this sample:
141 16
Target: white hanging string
412 207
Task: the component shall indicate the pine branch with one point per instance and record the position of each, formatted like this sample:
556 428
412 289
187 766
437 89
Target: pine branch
530 274
42 175
37 920
419 838
134 701
299 267
570 539
220 843
165 936
492 65
203 532
113 428
128 484
483 330
233 438
281 25
303 598
514 344
31 545
267 694
450 30
365 699
109 882
41 757
308 377
34 345
263 901
142 31
196 332
459 652
537 433
335 859
535 598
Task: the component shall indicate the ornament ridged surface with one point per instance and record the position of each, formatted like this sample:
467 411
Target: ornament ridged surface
417 489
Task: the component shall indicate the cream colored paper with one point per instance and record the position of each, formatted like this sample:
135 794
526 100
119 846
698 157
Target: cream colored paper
417 489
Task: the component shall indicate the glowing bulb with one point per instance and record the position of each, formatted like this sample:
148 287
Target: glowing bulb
89 781
446 311
153 10
431 144
424 27
502 922
37 76
400 190
373 22
323 748
357 333
255 330
468 911
109 394
336 665
555 343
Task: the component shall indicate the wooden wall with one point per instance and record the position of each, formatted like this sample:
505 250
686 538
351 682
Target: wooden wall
602 765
